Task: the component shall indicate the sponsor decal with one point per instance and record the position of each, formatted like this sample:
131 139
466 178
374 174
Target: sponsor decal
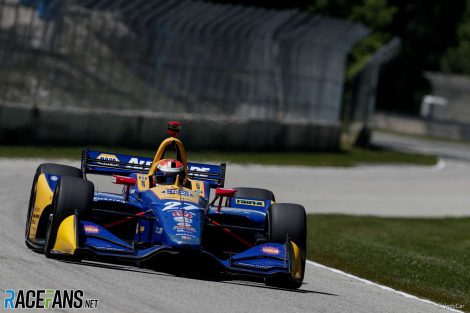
174 205
158 230
54 178
182 214
108 157
188 236
184 237
91 229
249 202
181 228
181 219
252 265
137 161
199 188
238 211
199 170
47 299
108 199
176 191
270 250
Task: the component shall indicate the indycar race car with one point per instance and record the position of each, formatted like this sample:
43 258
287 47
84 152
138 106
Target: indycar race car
165 206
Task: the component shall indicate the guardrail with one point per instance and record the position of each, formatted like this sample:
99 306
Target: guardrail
175 57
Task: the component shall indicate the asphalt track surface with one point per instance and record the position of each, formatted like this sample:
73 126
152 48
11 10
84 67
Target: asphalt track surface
446 149
122 288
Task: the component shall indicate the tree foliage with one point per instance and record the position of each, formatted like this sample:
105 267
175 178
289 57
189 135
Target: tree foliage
457 59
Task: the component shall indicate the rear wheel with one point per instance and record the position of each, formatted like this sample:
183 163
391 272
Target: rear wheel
49 168
72 195
254 193
287 221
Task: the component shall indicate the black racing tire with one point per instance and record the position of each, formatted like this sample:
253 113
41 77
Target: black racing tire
254 193
50 168
72 195
286 220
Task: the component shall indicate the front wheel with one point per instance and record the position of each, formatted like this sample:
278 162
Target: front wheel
73 196
46 168
287 221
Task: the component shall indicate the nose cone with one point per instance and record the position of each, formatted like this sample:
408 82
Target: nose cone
184 242
183 227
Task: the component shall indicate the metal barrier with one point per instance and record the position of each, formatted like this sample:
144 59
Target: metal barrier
175 56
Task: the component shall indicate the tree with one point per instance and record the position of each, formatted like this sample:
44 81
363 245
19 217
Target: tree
456 60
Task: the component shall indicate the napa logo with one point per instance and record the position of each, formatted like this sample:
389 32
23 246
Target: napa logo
47 299
249 202
108 157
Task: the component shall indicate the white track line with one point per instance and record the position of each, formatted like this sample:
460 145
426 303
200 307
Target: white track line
368 282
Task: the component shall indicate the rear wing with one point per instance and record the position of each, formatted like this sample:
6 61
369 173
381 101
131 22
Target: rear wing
106 163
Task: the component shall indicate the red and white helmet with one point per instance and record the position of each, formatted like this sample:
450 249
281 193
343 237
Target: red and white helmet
167 170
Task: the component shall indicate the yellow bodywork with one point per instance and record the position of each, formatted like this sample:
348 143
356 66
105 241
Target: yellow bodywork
198 187
297 266
143 182
44 196
175 192
66 240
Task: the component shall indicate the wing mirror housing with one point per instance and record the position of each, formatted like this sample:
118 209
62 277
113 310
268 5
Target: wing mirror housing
225 192
126 181
221 193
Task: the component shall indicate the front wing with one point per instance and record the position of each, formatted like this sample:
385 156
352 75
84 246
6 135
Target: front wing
83 237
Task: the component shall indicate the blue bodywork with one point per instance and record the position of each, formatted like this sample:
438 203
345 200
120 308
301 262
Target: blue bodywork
141 223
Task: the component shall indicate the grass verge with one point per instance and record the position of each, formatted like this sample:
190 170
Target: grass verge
342 159
428 258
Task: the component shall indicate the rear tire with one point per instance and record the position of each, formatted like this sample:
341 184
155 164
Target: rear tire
254 193
288 221
73 195
49 168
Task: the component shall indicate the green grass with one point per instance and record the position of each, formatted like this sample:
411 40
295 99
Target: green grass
343 159
428 258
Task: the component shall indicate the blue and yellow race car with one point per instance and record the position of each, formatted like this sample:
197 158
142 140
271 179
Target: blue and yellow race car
167 205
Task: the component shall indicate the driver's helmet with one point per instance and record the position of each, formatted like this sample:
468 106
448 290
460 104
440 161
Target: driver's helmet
167 170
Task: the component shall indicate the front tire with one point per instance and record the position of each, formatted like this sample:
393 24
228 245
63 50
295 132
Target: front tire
73 195
46 168
287 221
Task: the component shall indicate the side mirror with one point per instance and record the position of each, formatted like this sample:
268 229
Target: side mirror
225 192
124 180
221 193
